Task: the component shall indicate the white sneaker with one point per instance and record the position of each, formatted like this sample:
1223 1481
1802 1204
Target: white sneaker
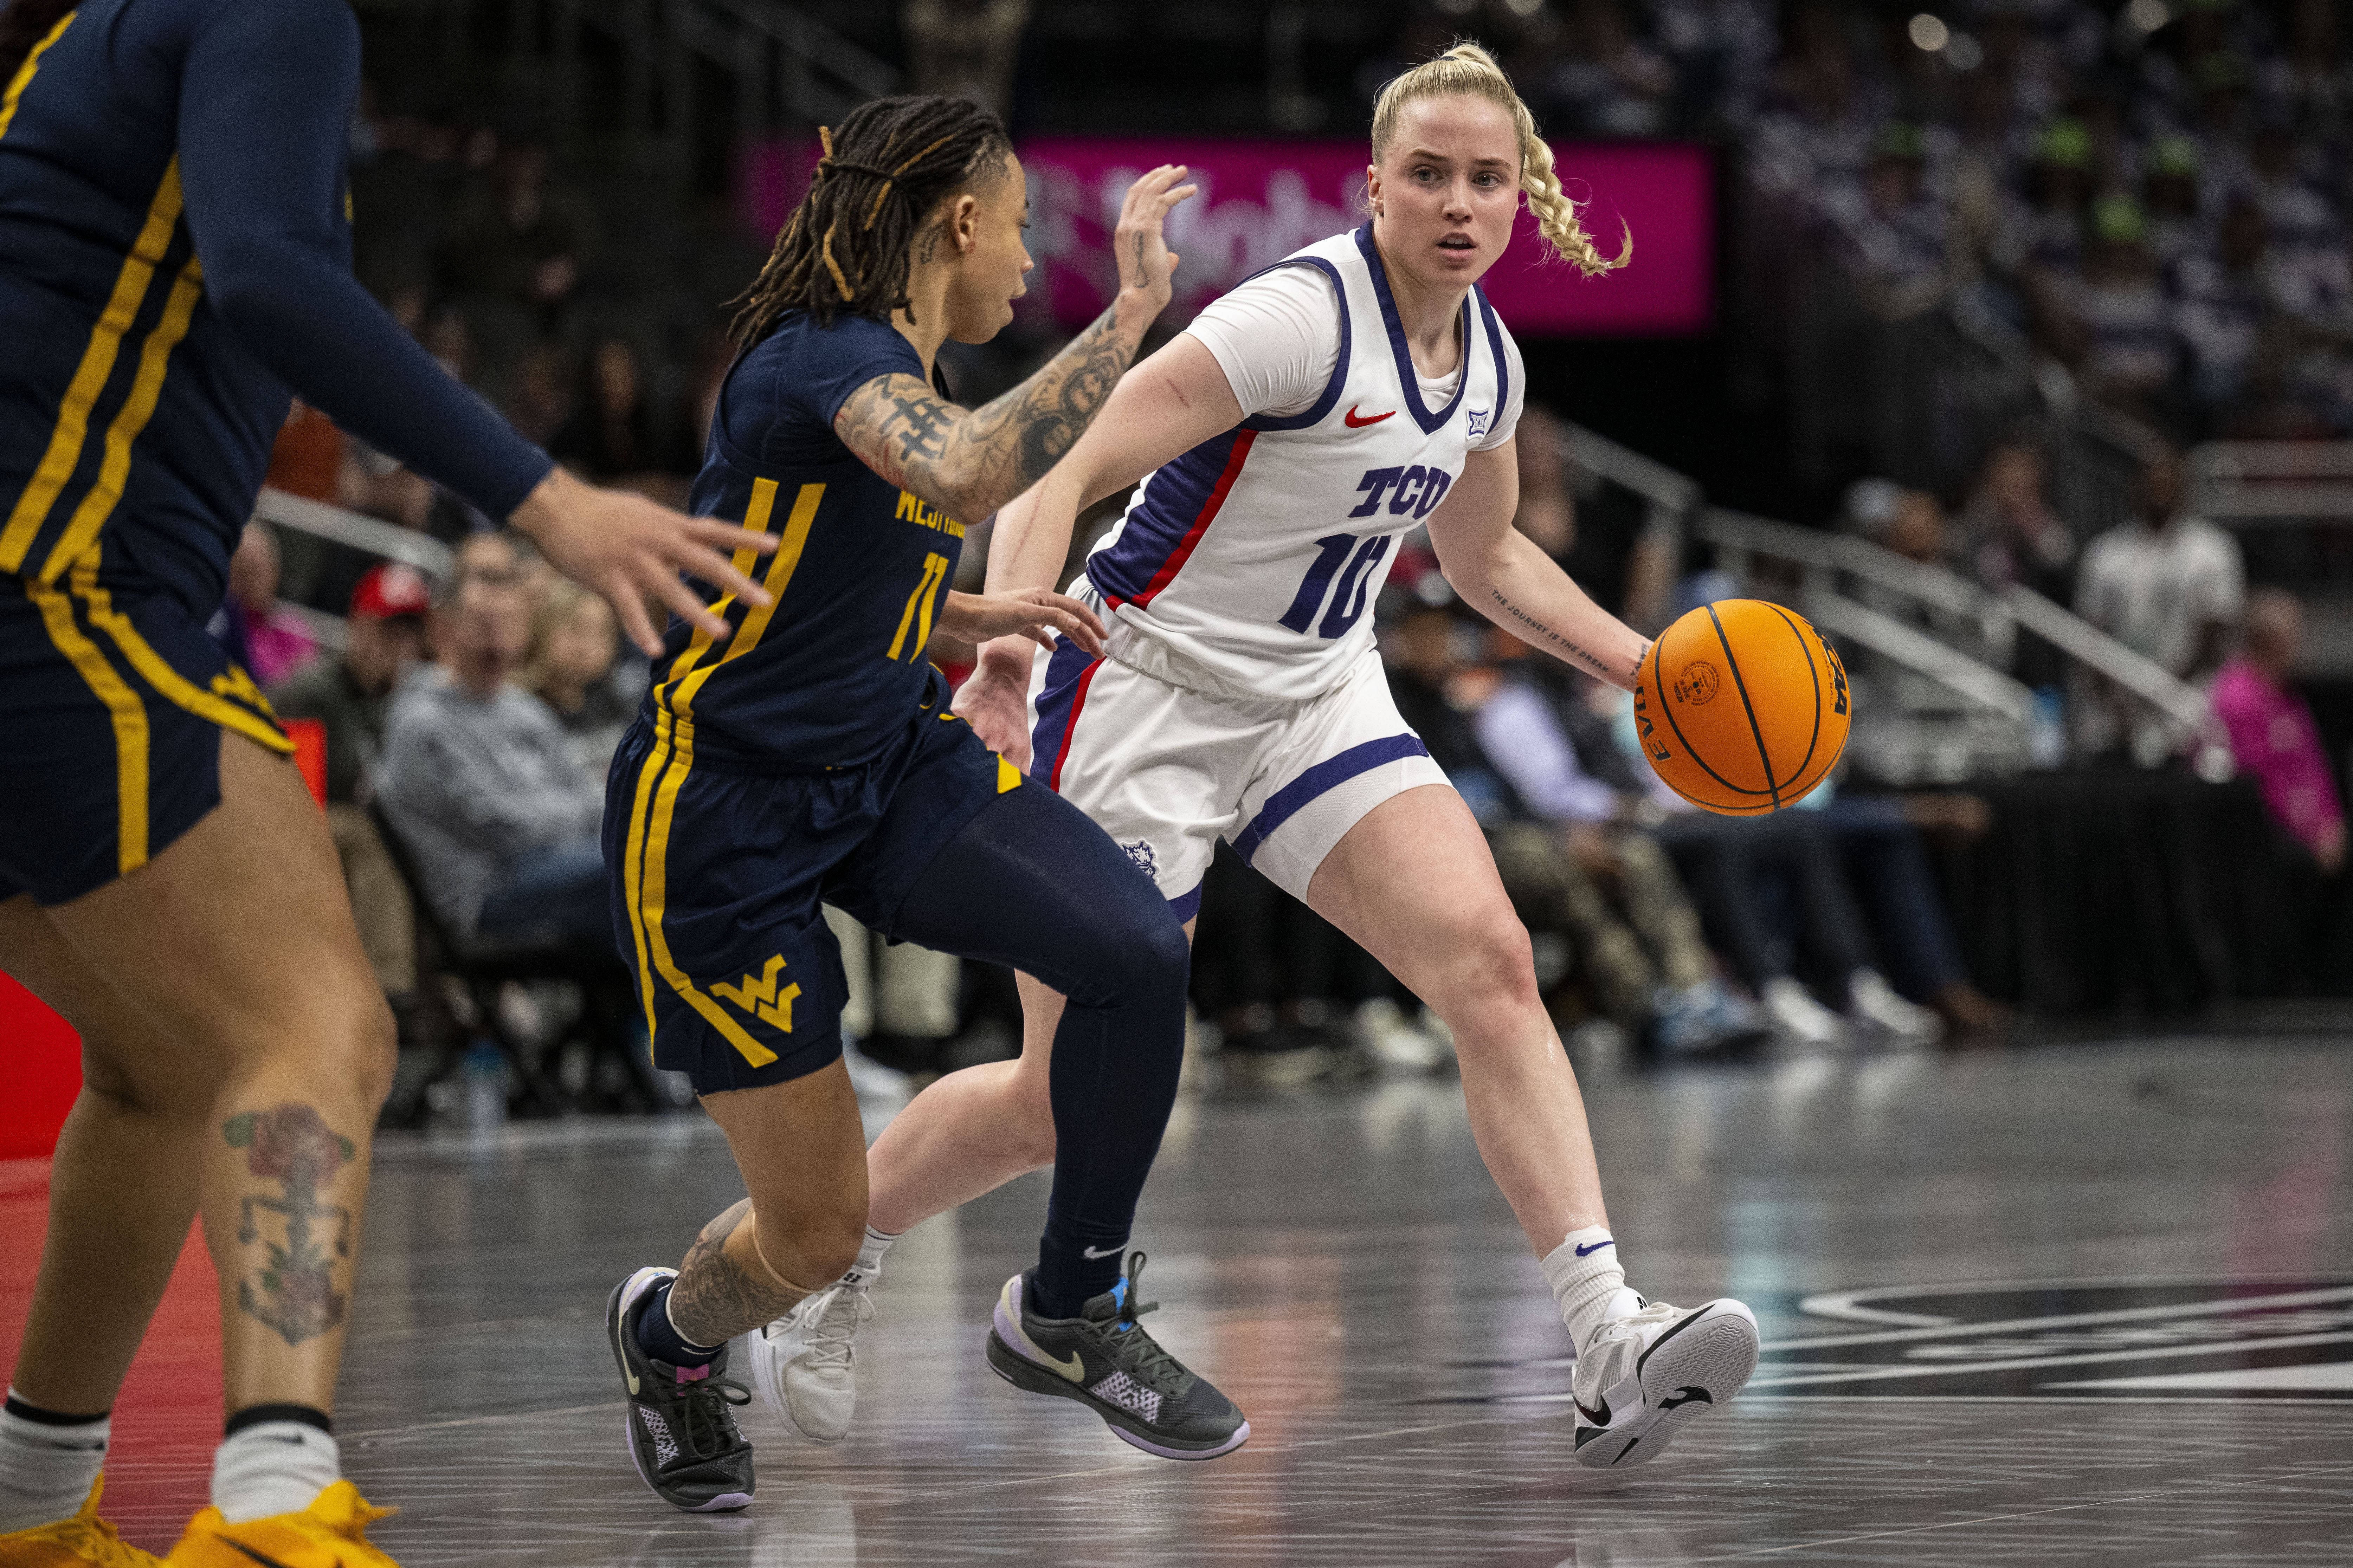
804 1364
1654 1367
1873 1003
1798 1018
1395 1041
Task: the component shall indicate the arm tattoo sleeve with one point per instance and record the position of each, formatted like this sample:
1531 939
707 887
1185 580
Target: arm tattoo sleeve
715 1297
971 462
1560 644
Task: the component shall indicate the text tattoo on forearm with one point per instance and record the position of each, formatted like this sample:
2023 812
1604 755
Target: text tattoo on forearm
1581 655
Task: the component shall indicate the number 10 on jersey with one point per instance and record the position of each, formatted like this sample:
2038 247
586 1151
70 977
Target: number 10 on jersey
1360 555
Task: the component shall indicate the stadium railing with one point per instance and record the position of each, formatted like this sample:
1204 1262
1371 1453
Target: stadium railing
1867 595
310 531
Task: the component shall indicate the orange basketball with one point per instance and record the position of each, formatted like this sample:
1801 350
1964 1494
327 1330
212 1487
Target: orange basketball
1742 707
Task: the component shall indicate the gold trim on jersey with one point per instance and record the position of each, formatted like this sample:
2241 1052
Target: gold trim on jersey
128 712
645 866
65 441
23 76
214 705
146 389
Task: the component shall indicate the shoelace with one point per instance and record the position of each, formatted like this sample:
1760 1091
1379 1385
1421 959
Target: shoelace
704 1431
1149 1363
831 1332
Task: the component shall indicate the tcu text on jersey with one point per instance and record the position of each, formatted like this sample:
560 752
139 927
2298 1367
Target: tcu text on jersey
1256 554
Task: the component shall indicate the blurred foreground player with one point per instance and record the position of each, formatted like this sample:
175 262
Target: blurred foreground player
1285 441
814 758
174 256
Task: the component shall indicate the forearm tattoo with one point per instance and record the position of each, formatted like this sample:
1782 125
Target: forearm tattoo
1522 618
305 1236
714 1297
971 462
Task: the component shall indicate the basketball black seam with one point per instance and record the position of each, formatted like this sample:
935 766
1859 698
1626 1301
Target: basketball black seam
1815 739
1658 682
1763 755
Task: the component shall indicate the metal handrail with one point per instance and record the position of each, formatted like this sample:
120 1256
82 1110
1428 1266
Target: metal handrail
1931 585
1916 651
333 523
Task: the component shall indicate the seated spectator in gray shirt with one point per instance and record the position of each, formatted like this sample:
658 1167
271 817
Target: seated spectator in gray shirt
479 782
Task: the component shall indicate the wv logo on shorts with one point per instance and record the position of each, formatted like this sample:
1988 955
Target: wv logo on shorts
760 998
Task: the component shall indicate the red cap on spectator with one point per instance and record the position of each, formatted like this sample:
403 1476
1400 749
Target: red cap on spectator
390 591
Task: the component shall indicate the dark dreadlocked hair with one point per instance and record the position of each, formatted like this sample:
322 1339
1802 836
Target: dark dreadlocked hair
22 25
846 247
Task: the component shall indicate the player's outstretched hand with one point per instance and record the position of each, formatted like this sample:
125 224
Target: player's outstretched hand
994 700
1034 612
630 549
1138 249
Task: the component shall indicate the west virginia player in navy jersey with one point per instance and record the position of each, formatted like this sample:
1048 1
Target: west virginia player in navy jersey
174 260
813 758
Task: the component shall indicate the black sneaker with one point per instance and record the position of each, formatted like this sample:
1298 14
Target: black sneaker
1103 1359
683 1435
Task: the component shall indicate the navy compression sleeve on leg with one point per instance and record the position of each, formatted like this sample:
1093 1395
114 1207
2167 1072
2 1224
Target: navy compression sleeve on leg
266 105
1031 883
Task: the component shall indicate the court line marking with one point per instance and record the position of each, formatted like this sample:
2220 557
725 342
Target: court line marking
2018 1364
2209 1483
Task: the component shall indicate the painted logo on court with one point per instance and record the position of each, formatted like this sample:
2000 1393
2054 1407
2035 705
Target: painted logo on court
2086 1339
1697 684
2095 1338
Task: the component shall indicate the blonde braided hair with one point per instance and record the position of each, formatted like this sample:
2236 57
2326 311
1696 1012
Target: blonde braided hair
1471 72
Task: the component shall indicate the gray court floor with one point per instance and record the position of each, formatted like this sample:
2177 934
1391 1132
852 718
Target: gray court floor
2081 1304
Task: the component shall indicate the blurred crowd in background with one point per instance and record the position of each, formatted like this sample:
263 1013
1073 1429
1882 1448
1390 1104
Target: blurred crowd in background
2152 197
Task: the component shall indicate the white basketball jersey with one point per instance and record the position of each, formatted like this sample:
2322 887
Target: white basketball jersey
1257 556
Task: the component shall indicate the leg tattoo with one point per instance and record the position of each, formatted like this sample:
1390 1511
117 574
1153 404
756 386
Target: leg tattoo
294 1290
715 1297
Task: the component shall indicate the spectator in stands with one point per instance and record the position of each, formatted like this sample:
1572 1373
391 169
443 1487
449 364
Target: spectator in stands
2166 584
2272 731
2009 536
966 48
617 432
479 780
1586 867
517 245
2120 315
348 695
261 634
1895 235
571 663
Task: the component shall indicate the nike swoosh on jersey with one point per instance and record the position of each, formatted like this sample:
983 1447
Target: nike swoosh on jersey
1355 424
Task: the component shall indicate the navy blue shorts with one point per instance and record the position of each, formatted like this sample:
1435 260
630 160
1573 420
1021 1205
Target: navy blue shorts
717 876
113 701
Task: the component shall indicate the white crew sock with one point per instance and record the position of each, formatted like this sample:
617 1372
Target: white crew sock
1587 1279
273 1467
46 1467
868 1266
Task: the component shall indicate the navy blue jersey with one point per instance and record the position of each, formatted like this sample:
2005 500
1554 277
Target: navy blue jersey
831 674
174 256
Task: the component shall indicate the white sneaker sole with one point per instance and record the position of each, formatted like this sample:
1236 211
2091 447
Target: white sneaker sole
1692 1368
768 1377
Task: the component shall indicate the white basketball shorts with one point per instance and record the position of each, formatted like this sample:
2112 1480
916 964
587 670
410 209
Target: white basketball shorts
1167 771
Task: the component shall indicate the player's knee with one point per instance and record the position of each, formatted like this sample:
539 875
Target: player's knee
363 1047
1493 959
1141 959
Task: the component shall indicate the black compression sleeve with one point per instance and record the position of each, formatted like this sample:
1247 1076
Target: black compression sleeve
265 115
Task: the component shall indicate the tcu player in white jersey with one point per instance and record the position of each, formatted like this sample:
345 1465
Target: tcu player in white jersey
1360 389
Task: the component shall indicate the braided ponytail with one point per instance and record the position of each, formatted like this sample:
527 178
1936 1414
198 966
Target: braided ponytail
848 246
1471 72
23 25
